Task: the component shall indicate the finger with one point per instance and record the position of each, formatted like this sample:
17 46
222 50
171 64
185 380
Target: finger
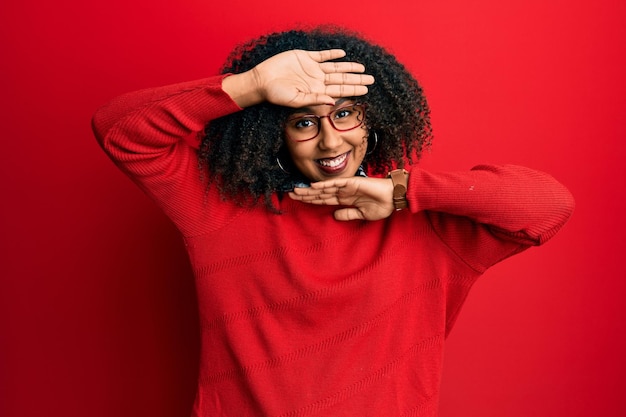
316 200
330 199
331 67
348 214
309 99
298 192
305 194
346 90
311 198
329 184
326 191
320 187
327 201
321 199
348 79
327 54
303 198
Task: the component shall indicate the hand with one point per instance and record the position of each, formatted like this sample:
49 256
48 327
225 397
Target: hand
303 78
367 198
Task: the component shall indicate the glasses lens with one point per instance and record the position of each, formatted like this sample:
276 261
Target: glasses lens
348 117
302 128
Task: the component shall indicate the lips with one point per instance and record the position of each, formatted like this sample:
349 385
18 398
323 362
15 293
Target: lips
333 165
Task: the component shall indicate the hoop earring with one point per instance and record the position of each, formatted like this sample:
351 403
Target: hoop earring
280 165
369 152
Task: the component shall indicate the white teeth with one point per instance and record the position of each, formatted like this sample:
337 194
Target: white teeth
332 163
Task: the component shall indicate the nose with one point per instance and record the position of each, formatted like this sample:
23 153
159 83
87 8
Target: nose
329 137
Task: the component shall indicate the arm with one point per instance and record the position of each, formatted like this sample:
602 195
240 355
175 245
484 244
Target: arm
144 134
483 215
491 212
144 131
299 78
516 203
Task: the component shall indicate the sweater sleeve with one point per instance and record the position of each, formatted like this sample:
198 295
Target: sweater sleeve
145 133
490 212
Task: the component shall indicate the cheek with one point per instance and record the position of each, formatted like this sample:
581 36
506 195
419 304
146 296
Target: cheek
362 147
299 152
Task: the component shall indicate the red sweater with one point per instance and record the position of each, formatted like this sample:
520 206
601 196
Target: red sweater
302 315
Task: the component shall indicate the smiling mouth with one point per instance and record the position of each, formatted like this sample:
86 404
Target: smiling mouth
333 163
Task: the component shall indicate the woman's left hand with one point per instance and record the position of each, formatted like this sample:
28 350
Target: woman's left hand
366 198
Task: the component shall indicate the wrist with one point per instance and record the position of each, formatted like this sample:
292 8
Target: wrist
243 88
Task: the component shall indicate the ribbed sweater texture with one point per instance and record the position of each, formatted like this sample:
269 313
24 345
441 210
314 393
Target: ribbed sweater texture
300 314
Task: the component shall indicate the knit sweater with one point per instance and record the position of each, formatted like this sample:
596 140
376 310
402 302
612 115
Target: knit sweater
303 315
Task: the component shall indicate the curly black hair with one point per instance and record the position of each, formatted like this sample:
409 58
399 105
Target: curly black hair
240 149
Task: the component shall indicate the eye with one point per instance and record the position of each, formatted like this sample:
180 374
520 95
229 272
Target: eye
303 122
342 113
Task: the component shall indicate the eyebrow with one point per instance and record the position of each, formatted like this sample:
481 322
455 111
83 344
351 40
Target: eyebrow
309 110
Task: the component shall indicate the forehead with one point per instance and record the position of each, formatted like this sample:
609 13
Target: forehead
323 109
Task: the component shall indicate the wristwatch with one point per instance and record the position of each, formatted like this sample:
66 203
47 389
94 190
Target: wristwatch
399 180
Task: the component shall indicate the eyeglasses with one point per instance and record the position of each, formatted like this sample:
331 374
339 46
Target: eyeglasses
342 119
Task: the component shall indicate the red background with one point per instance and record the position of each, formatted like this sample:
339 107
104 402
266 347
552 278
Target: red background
96 298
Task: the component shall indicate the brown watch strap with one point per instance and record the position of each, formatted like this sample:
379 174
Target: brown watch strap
399 180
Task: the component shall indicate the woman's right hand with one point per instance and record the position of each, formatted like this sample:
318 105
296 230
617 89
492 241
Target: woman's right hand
299 78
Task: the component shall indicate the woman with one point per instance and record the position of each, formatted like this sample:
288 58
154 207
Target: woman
325 287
